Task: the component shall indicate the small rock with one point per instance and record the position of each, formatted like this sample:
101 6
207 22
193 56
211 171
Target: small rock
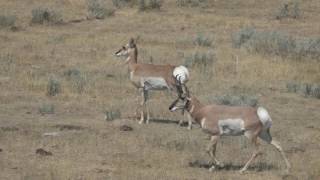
43 152
51 134
1 150
125 128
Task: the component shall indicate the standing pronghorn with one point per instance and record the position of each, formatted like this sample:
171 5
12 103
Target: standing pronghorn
146 77
219 120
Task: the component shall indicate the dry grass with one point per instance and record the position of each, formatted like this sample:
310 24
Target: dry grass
97 149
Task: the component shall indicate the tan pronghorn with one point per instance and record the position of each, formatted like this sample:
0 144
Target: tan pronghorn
220 120
146 77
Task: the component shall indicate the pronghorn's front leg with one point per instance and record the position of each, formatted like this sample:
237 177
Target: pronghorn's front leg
189 118
142 104
182 119
211 150
144 95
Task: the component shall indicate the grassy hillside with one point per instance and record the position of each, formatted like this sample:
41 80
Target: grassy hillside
71 56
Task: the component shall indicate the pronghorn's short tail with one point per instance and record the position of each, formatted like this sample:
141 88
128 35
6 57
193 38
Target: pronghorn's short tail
181 73
264 117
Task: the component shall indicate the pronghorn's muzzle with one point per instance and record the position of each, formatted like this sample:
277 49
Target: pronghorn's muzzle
173 107
118 53
176 105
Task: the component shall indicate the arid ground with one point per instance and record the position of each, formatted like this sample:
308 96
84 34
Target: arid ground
65 135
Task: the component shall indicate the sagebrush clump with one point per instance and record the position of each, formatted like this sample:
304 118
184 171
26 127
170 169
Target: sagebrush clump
76 79
43 15
289 10
145 5
202 60
306 89
112 114
277 43
53 87
7 21
203 40
97 9
191 3
46 109
236 100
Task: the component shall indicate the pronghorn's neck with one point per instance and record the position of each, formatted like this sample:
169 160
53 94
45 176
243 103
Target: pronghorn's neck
132 59
193 107
133 55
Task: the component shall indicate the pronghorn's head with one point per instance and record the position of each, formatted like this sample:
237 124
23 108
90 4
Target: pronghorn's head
183 101
129 49
180 104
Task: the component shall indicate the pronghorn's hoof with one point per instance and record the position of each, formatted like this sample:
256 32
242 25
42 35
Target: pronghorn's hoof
242 171
212 169
141 122
189 127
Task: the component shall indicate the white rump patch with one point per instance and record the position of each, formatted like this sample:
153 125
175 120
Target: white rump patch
155 83
181 73
264 117
231 127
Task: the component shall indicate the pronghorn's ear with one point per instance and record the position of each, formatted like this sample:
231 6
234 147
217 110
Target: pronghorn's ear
132 43
137 39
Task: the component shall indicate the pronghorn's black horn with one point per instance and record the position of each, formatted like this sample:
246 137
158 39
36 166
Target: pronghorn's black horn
187 90
179 87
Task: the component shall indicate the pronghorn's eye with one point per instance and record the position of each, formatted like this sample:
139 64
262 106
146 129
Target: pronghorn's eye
123 47
187 103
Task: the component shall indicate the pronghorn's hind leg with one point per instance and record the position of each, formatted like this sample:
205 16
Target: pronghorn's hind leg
257 152
182 119
266 136
276 144
211 150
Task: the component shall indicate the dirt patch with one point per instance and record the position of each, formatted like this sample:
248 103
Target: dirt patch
64 127
126 128
43 152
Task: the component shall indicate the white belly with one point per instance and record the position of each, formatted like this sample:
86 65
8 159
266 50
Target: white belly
231 127
154 83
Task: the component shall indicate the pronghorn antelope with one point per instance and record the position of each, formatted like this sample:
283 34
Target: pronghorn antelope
220 120
146 77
